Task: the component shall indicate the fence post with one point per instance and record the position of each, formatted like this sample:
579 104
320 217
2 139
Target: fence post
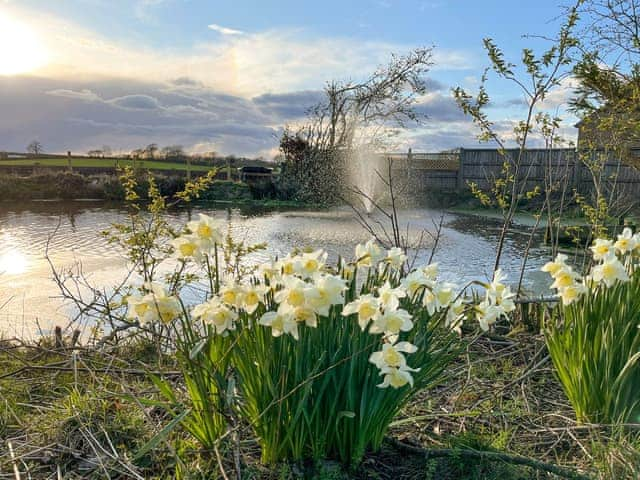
460 174
69 161
577 171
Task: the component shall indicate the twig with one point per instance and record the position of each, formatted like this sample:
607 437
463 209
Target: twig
486 455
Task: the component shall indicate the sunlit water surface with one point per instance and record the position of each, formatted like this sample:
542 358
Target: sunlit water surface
71 233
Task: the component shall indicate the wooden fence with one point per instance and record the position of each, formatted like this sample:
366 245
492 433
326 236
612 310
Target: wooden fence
454 171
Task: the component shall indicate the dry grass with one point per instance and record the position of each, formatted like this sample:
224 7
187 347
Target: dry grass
79 413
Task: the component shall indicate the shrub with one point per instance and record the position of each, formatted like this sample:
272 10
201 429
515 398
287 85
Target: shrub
594 339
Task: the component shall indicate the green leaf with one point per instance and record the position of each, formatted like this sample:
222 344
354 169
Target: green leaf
161 435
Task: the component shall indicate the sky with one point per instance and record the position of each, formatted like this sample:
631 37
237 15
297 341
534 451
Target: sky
228 76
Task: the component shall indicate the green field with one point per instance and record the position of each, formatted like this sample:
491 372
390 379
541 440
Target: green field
86 162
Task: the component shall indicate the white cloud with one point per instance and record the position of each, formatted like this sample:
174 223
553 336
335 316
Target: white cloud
274 61
224 30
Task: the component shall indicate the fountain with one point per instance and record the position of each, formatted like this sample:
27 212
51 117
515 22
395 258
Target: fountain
365 169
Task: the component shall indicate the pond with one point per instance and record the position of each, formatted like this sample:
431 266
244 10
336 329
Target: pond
71 232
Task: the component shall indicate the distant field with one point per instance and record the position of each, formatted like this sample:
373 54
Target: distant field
87 162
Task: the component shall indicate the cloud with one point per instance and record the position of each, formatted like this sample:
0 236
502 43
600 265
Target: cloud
251 64
288 105
224 30
137 102
85 95
438 107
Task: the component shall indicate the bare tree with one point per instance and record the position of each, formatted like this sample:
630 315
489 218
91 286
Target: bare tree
35 148
352 115
150 150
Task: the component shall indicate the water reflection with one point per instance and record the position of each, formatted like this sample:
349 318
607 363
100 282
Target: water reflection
72 231
13 262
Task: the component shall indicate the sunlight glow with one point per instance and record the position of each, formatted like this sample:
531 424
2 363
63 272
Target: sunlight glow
13 262
20 48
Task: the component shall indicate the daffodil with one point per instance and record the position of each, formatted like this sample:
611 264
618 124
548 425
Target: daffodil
295 292
455 315
431 271
304 315
610 271
366 306
232 294
602 249
252 296
369 254
391 322
396 258
501 294
214 312
155 305
187 246
627 242
270 270
391 355
281 321
389 296
572 293
326 291
206 230
564 278
552 268
290 264
439 297
310 264
396 377
487 314
415 281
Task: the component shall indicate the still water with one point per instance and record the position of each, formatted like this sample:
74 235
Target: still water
29 299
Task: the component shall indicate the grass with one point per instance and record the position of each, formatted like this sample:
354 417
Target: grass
87 162
89 418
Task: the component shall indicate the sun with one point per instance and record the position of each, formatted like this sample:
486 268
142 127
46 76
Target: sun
20 48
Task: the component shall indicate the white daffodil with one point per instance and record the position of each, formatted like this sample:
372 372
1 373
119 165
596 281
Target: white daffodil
487 314
304 315
397 377
252 296
391 355
139 308
206 230
216 313
310 264
290 264
155 305
627 242
501 294
232 294
270 270
369 254
396 258
439 297
564 278
391 322
295 292
187 246
281 321
455 315
326 291
552 268
609 271
366 306
346 269
415 281
431 271
602 249
390 297
572 293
